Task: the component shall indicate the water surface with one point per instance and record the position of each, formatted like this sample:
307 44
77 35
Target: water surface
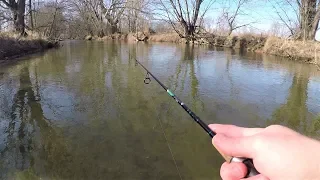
83 111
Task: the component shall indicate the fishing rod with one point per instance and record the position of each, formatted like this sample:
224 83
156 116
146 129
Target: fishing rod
248 162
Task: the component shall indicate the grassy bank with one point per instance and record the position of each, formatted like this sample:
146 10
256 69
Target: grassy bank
296 50
13 46
308 51
132 37
168 37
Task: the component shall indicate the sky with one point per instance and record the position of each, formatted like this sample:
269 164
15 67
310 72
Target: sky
257 11
261 12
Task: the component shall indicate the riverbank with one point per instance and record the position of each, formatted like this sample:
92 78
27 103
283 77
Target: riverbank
12 46
308 52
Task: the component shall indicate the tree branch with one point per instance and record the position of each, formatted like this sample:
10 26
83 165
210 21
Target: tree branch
6 3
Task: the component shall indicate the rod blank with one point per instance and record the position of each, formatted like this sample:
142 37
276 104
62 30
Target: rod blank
248 162
184 106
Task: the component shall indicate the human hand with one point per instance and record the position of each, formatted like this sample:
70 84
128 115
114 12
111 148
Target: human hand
278 153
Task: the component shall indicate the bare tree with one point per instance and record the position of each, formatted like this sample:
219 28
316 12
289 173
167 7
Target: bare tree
284 9
137 13
3 17
132 13
112 11
186 13
50 20
31 24
309 19
208 24
306 20
88 11
17 8
230 14
99 15
278 29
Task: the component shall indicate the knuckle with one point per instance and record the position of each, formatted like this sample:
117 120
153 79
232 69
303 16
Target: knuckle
230 126
258 142
275 126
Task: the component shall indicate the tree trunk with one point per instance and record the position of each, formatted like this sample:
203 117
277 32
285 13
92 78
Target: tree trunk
101 33
308 20
312 33
129 24
189 32
114 28
315 24
230 30
31 15
18 17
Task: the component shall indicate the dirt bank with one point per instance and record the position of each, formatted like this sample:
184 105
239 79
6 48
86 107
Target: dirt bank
12 47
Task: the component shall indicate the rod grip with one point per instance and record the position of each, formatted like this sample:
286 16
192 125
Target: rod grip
252 171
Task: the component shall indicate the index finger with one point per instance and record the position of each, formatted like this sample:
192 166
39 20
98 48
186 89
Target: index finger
234 131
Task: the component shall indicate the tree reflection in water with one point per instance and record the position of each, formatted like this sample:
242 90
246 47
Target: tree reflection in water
29 130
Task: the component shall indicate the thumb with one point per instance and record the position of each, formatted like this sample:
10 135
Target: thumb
234 146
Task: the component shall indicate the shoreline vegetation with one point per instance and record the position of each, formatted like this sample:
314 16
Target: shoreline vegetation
13 46
303 51
291 32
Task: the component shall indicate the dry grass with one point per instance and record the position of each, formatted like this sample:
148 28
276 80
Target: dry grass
308 51
11 45
251 35
132 37
171 37
296 50
112 37
31 35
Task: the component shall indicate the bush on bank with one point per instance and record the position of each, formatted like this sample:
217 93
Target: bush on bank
12 45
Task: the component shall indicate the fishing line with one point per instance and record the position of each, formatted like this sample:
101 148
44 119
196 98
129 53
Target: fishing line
247 161
167 141
147 80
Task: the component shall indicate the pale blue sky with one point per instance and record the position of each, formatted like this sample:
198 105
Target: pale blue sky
263 15
261 12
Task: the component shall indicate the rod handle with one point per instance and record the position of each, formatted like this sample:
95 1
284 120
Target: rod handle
252 171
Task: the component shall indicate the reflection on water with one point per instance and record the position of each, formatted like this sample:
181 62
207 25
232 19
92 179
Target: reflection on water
83 111
294 112
26 130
